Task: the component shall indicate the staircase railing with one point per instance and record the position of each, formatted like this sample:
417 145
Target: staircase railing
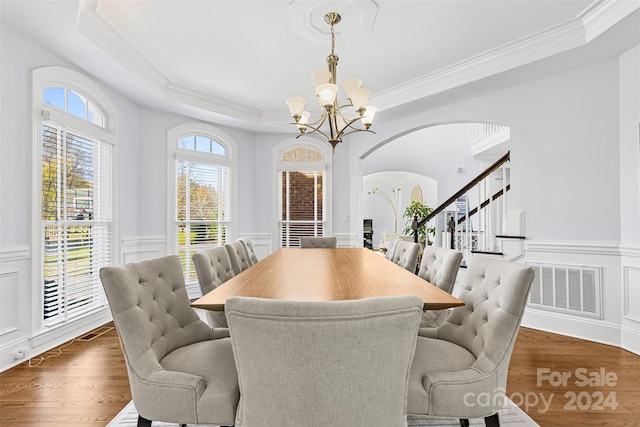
481 198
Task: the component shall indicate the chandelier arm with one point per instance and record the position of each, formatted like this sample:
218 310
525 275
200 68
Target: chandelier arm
354 131
315 129
348 125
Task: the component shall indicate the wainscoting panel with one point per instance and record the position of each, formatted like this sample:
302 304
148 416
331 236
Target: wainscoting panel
578 289
140 248
631 305
347 240
262 243
631 284
15 303
10 297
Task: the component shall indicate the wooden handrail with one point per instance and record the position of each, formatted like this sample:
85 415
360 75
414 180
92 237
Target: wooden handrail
483 205
466 188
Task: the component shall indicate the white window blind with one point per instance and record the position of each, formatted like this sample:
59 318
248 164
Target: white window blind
301 206
76 220
203 209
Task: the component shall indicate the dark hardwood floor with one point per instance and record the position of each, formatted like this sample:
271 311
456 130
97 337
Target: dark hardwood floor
87 384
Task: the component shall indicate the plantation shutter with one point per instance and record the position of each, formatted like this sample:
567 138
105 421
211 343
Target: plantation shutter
301 206
77 221
203 209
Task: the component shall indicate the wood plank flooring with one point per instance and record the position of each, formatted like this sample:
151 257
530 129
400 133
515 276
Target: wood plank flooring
87 384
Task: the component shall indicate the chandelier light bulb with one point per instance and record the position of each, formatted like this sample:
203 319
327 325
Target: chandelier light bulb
296 106
304 120
359 98
326 93
367 118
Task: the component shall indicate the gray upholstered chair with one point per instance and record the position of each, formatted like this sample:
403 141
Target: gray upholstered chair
439 266
238 256
318 242
213 268
248 246
406 254
391 248
339 363
180 369
460 368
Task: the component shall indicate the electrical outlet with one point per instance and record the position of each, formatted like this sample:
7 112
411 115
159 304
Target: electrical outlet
19 354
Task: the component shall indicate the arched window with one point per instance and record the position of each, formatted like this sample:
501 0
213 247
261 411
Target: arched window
303 192
201 191
76 137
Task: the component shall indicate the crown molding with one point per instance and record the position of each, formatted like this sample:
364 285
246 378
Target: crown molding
210 102
604 14
94 27
589 24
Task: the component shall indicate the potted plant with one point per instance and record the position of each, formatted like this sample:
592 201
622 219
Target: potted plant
419 211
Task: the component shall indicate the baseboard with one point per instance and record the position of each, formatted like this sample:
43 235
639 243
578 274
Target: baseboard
630 340
577 327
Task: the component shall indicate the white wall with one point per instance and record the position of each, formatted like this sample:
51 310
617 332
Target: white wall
630 196
378 209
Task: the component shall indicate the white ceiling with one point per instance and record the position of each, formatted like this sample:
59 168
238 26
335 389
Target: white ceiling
237 61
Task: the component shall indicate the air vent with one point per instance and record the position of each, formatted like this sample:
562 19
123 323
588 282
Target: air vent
89 336
567 288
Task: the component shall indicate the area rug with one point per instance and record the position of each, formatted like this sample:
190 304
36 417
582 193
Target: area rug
510 416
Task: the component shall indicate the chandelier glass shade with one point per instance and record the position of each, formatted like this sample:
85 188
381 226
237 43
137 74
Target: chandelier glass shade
334 120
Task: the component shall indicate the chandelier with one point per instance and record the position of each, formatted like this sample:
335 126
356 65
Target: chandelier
339 124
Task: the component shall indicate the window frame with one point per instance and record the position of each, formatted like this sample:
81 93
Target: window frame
54 76
280 166
174 153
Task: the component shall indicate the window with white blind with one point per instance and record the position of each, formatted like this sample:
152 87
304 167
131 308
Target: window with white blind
75 147
202 193
302 189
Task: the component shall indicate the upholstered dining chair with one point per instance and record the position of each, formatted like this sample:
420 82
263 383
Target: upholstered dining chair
460 368
405 254
318 242
338 363
180 369
238 256
391 248
440 267
248 246
213 268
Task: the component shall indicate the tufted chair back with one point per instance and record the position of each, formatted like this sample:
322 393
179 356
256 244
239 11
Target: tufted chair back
238 256
406 254
469 353
318 242
440 267
213 268
161 336
248 247
151 309
495 293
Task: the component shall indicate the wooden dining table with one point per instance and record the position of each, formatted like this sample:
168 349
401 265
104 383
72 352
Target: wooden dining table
326 274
